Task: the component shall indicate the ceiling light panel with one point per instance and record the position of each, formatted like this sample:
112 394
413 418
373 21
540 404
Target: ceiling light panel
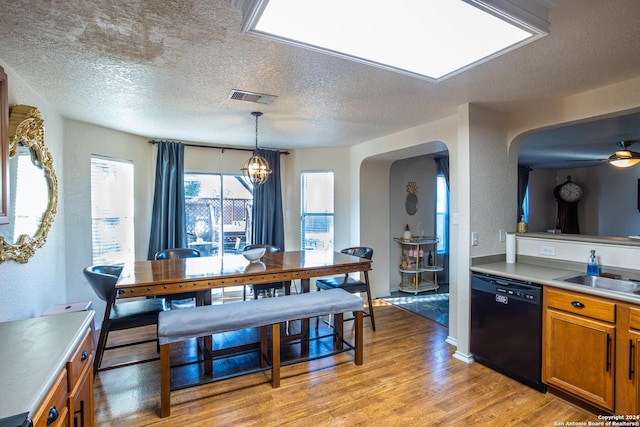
431 39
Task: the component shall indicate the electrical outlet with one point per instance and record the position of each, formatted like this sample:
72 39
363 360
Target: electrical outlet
548 250
501 236
474 238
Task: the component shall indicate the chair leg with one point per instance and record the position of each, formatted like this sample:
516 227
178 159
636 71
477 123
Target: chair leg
102 341
373 322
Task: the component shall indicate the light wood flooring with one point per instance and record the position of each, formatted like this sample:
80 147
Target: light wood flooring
409 378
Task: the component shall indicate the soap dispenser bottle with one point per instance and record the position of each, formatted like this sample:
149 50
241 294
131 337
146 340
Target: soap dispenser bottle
593 268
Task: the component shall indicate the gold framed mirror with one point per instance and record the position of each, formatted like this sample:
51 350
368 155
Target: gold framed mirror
34 187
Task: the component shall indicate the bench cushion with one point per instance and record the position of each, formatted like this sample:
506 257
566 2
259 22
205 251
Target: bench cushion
178 325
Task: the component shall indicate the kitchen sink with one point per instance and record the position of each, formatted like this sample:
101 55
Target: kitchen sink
603 283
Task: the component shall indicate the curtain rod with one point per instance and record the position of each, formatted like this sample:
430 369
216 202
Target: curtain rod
219 147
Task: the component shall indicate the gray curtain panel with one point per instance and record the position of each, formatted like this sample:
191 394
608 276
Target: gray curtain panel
168 222
268 219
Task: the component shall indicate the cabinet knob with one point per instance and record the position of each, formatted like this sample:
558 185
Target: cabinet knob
84 356
577 304
53 415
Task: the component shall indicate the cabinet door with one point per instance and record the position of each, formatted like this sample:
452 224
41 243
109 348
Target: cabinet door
578 357
81 399
628 399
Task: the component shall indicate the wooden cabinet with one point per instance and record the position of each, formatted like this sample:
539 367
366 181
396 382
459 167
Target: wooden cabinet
591 349
418 266
80 384
54 411
579 339
70 400
628 361
47 370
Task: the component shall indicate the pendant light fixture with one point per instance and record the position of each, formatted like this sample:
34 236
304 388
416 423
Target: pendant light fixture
624 158
256 169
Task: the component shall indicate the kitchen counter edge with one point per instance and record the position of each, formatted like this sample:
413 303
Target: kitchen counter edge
548 276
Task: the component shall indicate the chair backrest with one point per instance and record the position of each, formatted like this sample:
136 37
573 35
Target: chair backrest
269 248
174 253
359 251
103 279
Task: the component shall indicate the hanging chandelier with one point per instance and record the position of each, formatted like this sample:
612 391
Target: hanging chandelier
256 169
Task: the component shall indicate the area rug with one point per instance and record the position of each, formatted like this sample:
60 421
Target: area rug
433 306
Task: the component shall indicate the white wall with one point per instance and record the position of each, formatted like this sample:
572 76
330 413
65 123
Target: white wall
29 289
317 159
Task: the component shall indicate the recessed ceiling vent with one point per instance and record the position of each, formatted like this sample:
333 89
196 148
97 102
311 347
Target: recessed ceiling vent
243 95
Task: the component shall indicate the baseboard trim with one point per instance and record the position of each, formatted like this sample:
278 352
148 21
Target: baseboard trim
466 358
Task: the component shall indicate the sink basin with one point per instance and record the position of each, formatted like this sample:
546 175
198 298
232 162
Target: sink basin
603 283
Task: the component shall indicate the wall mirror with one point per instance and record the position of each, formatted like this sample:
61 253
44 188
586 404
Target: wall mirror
33 187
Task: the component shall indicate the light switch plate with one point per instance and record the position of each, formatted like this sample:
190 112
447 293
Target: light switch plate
474 238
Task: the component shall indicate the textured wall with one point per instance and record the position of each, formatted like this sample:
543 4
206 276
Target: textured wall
29 289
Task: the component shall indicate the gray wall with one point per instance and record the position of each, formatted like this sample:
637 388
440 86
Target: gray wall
608 206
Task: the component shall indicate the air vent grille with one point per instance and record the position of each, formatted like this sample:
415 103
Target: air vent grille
243 95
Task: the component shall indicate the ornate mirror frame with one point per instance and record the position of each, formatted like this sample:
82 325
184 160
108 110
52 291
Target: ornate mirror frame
26 127
4 148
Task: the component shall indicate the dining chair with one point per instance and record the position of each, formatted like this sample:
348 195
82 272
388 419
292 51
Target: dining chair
188 298
266 288
122 314
350 284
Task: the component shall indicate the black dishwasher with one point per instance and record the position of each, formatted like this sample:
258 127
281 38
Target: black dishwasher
506 327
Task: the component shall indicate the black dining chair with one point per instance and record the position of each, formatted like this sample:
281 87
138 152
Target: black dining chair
266 288
121 314
350 284
188 298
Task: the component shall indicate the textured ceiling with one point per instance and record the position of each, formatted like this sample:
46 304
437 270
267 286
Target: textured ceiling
163 69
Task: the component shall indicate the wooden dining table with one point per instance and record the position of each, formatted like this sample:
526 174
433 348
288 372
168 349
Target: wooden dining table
155 278
171 276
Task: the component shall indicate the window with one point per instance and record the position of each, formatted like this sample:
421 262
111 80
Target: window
317 211
442 214
218 209
525 205
112 221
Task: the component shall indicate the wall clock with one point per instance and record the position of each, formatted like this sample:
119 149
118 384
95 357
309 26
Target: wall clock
567 195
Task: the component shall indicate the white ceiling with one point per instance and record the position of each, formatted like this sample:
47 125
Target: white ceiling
163 69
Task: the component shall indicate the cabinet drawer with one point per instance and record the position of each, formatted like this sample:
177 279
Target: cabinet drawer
584 305
79 360
54 405
634 318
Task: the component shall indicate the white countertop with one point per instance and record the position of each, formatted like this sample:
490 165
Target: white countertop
545 275
32 353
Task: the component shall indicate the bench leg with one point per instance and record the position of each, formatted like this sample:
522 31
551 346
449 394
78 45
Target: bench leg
264 346
275 355
359 356
165 382
338 330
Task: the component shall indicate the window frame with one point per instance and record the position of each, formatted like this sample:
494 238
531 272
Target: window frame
304 215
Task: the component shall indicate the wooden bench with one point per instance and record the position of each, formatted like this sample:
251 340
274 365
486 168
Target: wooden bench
266 313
